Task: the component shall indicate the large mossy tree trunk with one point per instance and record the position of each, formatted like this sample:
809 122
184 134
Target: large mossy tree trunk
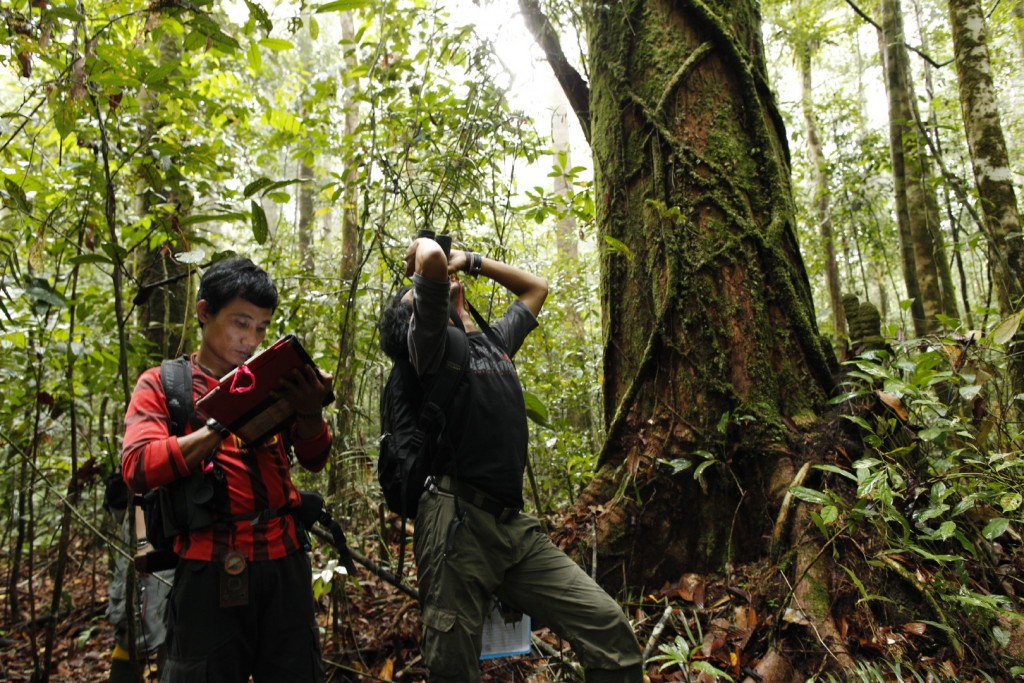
712 359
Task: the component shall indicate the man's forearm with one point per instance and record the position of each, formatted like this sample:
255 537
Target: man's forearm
531 289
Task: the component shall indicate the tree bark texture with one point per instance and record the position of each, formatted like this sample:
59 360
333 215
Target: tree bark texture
917 213
349 267
164 195
306 222
989 157
822 200
711 352
1018 14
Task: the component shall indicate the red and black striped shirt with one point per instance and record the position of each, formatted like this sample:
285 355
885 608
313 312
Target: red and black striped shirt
257 477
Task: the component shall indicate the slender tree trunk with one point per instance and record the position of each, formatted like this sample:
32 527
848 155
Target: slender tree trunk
916 205
822 200
162 194
565 230
897 127
932 134
60 567
305 220
1018 15
306 224
348 270
583 415
990 160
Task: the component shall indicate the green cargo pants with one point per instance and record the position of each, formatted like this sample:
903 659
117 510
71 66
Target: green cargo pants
519 564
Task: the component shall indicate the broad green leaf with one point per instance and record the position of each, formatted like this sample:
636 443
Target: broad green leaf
701 467
1010 501
284 121
837 470
160 74
931 434
277 44
945 530
64 12
210 217
829 514
859 421
932 556
260 15
810 495
64 120
82 259
260 228
970 391
116 252
342 5
995 528
535 409
679 465
18 195
256 185
42 292
224 41
1006 329
820 523
255 57
283 183
843 398
618 247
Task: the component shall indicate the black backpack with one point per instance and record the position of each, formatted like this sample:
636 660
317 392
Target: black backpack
166 509
412 424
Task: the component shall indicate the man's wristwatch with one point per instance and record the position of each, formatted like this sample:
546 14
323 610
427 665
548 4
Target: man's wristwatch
223 431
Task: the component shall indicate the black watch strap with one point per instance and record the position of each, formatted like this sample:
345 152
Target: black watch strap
223 431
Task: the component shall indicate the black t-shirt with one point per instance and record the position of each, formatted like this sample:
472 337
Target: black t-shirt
487 420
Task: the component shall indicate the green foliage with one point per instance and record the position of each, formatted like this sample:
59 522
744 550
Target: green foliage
144 141
685 654
575 203
940 488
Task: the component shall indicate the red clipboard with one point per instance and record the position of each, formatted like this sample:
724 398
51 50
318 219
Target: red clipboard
243 402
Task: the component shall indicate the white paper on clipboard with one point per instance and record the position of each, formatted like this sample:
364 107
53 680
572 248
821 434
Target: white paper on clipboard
501 639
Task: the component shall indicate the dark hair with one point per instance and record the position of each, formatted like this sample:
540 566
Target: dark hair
236 277
393 327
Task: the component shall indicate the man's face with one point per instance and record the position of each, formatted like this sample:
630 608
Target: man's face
233 334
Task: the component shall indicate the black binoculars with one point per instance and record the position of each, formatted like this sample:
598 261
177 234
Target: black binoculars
444 240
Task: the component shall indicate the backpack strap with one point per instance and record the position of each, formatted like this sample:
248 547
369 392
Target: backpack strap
435 404
432 418
176 378
485 327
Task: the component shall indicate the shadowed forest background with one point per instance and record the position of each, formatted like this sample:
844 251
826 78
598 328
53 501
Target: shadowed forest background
776 393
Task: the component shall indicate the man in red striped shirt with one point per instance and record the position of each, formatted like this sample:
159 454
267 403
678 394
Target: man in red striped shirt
242 600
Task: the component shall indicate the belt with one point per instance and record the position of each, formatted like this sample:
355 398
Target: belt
475 497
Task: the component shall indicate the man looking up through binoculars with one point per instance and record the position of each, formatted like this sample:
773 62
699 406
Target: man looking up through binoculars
472 542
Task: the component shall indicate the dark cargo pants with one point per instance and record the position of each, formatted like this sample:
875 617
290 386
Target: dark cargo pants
274 637
519 564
